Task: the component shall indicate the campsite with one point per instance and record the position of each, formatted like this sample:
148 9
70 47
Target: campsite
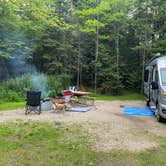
82 82
101 136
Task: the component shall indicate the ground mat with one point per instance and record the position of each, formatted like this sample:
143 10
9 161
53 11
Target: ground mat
138 111
78 109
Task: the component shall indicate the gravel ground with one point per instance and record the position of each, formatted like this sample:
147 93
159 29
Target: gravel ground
105 124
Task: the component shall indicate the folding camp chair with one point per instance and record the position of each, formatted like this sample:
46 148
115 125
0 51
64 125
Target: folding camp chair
33 102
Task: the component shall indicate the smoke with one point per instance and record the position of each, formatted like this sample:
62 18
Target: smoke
17 49
39 82
21 49
18 65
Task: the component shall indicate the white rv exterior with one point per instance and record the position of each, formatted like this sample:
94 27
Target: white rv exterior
155 86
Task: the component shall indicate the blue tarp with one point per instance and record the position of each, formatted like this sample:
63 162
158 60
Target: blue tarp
138 111
79 109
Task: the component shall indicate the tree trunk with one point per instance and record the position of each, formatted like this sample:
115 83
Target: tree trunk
117 55
117 50
143 68
144 54
78 61
81 75
96 58
97 53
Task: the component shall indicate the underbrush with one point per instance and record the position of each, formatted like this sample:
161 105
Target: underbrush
14 90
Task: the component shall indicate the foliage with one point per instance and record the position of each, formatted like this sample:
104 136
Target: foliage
55 86
15 89
102 43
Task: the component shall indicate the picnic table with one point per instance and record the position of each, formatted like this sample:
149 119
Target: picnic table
80 93
83 97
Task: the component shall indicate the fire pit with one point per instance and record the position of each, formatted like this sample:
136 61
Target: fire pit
46 104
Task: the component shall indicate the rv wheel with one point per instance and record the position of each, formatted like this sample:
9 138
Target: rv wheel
159 118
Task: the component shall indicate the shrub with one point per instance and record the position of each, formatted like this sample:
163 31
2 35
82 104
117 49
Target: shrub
14 96
111 85
15 89
54 85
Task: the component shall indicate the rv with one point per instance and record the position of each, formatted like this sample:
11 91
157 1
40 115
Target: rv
155 86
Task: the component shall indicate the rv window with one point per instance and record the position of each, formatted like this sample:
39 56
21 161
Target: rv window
146 75
163 75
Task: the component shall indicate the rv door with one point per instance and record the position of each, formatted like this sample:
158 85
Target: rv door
154 85
146 83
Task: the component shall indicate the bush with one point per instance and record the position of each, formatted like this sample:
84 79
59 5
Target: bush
15 89
110 89
14 96
10 96
54 85
110 84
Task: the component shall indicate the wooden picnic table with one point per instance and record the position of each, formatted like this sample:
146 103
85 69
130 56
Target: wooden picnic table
80 93
83 97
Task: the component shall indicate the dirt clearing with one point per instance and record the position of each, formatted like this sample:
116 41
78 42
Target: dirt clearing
107 127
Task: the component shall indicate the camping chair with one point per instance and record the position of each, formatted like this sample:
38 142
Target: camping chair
67 96
33 102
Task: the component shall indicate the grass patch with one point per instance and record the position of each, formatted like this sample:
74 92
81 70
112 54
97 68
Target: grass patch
154 157
125 96
36 143
11 105
32 143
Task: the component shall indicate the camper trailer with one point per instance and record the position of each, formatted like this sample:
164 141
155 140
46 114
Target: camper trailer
155 86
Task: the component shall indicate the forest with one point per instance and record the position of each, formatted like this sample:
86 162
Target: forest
102 45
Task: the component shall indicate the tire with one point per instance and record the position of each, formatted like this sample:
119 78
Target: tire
159 118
